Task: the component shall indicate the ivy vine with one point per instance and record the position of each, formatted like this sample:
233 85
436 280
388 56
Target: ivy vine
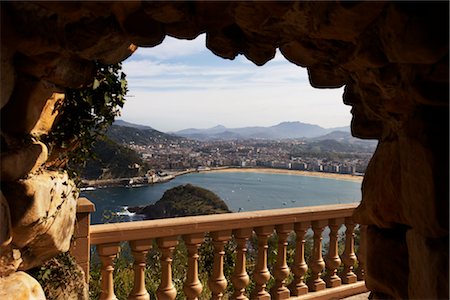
85 115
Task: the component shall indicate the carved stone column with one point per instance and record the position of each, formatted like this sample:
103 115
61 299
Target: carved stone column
281 272
299 268
240 277
332 260
218 283
349 257
261 273
192 287
107 253
315 283
166 290
139 249
361 252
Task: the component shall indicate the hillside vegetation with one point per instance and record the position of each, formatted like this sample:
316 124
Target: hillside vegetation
184 200
112 160
138 136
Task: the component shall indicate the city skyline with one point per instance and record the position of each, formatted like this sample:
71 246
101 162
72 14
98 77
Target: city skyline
181 84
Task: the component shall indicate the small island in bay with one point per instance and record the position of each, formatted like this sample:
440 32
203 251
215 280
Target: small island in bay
181 201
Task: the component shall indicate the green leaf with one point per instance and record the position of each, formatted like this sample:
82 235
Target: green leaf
96 84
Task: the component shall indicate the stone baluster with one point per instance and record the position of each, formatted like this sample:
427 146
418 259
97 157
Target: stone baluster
218 283
281 272
139 249
166 290
361 252
107 253
261 273
315 283
192 287
349 257
299 268
332 260
240 277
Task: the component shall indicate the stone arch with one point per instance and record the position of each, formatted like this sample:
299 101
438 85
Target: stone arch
392 57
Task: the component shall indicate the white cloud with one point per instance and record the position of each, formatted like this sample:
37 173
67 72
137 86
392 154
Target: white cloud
179 84
149 74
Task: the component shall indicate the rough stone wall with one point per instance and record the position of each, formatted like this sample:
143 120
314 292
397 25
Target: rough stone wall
391 57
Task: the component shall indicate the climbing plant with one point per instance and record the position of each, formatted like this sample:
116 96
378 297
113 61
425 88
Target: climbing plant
84 116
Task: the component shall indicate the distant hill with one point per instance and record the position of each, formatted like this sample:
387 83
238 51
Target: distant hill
113 161
184 200
132 125
124 134
346 138
284 130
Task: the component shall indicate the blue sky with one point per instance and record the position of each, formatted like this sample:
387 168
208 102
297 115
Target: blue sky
181 84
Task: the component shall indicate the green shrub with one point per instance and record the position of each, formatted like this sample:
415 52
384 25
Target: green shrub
61 278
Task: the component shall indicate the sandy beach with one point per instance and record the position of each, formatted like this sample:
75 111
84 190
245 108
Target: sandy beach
347 177
125 181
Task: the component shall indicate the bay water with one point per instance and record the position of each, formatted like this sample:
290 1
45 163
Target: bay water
241 191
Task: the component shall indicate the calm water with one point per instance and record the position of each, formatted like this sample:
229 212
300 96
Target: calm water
241 192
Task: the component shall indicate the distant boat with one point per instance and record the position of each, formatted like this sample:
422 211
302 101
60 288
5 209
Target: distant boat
89 188
125 212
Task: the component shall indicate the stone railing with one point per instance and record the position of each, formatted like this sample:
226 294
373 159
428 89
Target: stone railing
240 227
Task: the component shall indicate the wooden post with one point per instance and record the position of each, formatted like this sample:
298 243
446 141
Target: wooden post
281 272
139 249
240 277
192 287
81 246
299 268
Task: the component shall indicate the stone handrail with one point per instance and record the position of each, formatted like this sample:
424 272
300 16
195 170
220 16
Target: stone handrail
240 226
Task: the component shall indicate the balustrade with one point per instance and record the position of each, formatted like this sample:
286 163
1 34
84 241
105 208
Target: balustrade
333 261
298 286
107 253
361 252
166 290
240 278
221 228
281 272
192 287
218 283
262 274
315 282
349 257
139 249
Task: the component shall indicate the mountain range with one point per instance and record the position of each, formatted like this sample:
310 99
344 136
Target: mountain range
284 130
125 133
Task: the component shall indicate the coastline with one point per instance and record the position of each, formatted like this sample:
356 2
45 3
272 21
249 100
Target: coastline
346 177
117 182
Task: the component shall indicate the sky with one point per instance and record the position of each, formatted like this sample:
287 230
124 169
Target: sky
181 84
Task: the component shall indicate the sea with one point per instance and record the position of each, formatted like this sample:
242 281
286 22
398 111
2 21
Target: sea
241 192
